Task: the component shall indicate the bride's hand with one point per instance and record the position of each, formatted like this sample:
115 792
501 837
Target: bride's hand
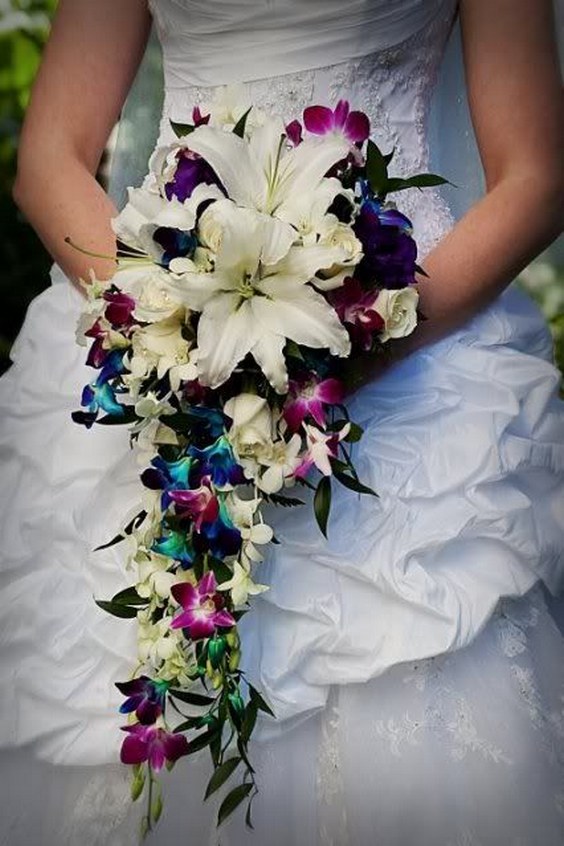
90 60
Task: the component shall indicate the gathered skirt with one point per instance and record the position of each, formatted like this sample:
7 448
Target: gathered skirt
414 660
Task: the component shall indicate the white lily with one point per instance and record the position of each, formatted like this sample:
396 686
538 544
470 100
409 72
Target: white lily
257 297
147 211
263 172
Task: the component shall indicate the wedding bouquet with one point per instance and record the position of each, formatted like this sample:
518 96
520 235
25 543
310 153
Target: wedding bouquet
258 263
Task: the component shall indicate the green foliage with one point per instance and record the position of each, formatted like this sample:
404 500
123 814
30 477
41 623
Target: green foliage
544 282
24 26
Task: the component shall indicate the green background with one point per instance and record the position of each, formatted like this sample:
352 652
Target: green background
24 26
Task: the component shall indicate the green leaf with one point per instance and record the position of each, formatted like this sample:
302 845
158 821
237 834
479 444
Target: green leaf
182 129
260 703
201 741
293 351
322 503
353 484
355 434
239 128
249 721
192 698
423 180
242 747
376 168
285 501
421 272
116 609
129 596
248 821
389 156
128 416
118 539
221 775
232 800
221 570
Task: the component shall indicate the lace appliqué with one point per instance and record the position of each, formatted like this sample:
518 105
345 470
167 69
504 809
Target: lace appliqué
333 829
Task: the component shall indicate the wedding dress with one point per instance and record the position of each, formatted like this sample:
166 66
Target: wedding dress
412 660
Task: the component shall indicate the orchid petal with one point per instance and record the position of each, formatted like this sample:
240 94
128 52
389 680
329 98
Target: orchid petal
185 594
319 119
133 750
341 114
357 127
207 584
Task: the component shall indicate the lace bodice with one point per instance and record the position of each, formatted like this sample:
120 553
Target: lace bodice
389 56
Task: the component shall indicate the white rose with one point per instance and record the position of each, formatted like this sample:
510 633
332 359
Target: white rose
251 431
211 227
148 285
398 310
160 346
347 249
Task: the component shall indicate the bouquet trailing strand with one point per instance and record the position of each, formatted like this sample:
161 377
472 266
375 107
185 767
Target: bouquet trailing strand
257 267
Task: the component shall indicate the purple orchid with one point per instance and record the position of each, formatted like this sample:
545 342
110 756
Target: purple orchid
321 120
120 308
198 118
203 607
200 505
192 170
390 253
145 696
355 306
152 744
308 396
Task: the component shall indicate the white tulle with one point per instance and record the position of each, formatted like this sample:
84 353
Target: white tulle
412 660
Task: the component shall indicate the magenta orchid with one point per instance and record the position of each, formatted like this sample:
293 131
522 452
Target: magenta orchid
153 744
307 397
120 308
203 607
294 133
200 504
321 120
355 306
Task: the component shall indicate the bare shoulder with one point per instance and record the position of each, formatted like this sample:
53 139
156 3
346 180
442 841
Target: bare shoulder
88 66
514 87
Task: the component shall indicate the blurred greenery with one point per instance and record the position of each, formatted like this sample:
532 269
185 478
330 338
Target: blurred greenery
24 26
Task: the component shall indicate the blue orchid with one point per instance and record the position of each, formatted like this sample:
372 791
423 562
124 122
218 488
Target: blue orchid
218 461
176 545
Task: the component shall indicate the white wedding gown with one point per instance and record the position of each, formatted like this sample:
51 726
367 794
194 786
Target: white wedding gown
412 660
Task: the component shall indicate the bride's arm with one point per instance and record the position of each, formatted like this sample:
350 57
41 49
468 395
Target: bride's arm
90 60
517 109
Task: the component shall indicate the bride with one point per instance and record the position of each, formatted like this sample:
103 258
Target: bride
412 660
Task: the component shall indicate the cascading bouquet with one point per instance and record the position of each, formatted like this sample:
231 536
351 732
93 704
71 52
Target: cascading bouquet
256 266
